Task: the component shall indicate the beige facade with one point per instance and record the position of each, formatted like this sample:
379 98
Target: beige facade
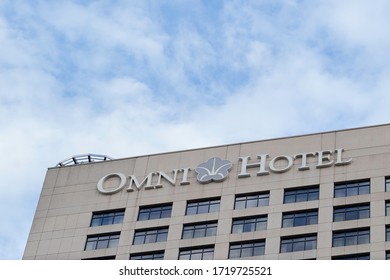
355 161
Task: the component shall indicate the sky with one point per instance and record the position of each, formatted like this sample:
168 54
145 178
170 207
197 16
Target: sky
127 78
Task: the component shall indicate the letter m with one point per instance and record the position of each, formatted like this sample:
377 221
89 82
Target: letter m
147 180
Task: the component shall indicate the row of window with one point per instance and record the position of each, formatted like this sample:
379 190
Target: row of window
208 253
244 249
289 219
287 244
244 201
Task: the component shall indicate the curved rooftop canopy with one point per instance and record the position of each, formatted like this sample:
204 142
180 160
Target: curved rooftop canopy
82 159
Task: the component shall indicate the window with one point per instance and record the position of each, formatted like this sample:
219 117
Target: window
202 206
251 200
387 233
351 237
387 184
298 243
148 256
301 194
107 217
352 188
100 258
387 208
154 212
296 219
246 249
102 241
249 224
150 235
204 253
387 255
353 212
199 230
364 256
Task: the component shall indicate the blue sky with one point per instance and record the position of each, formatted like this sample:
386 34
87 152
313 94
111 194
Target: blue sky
126 78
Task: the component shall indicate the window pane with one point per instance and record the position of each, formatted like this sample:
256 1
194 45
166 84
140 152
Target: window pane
95 222
301 197
214 207
184 257
143 216
288 222
364 190
107 218
313 195
118 219
240 204
208 255
261 225
139 240
90 245
352 191
199 232
166 213
300 221
237 228
312 220
251 203
263 201
289 198
351 215
211 231
162 237
259 250
365 213
286 247
339 192
154 215
102 244
234 253
191 210
113 243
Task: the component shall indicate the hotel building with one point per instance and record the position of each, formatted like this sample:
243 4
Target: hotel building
319 196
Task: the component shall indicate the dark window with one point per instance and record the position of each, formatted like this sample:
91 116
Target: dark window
352 188
202 206
102 241
351 237
298 243
251 200
296 219
100 258
387 255
107 217
301 194
387 233
364 256
246 249
387 184
154 212
204 253
351 212
199 230
150 235
249 224
148 256
387 208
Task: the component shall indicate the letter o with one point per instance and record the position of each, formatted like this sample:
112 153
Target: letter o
284 169
101 189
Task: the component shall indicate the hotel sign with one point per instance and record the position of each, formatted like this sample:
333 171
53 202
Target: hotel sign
217 170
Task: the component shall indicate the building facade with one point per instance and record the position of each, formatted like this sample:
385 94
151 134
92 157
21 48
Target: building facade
319 196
